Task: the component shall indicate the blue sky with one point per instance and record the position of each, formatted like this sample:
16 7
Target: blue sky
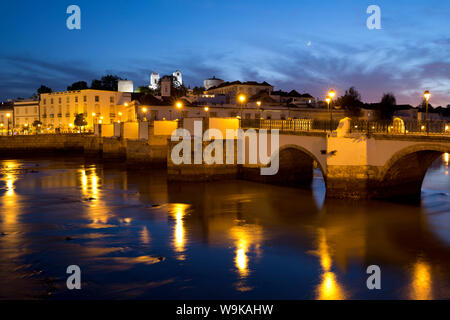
309 46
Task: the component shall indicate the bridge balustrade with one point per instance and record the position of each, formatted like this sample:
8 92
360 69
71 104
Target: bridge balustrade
389 127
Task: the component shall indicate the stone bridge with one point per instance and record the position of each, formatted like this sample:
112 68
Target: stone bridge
356 165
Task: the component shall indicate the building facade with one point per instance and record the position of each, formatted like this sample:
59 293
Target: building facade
6 117
236 88
26 112
59 109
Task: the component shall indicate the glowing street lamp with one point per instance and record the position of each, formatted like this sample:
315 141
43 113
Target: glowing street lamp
331 95
120 116
427 96
242 98
8 115
179 105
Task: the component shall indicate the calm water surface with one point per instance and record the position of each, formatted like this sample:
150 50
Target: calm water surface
135 236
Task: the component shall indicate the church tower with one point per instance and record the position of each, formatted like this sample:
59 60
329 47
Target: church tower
154 79
178 77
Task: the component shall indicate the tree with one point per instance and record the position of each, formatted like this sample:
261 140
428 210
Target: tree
108 82
43 89
36 124
198 90
351 102
386 108
80 85
80 120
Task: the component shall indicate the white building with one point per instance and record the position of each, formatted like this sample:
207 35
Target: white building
125 86
154 80
178 77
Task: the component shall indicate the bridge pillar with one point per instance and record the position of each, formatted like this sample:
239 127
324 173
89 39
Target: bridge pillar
349 174
363 167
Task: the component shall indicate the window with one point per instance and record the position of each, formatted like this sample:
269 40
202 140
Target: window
97 99
35 110
85 98
68 99
51 100
111 99
45 101
59 100
76 99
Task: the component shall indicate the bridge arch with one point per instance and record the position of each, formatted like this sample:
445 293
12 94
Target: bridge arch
403 173
296 165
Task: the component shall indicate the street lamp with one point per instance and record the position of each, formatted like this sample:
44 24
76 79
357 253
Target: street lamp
427 96
120 116
8 115
330 97
179 106
242 98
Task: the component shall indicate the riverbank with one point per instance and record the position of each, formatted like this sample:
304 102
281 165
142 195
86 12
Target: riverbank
141 152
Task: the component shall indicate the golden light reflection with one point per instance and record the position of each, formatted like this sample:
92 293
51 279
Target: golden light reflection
329 288
178 212
446 159
90 189
422 282
246 238
145 235
9 200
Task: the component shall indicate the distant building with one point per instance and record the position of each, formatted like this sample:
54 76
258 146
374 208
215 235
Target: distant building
212 82
177 78
166 86
125 86
234 89
154 80
293 97
59 109
26 112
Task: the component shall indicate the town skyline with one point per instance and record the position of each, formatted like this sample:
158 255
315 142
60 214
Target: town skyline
298 52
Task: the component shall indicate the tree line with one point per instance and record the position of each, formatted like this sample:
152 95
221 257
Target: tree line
384 110
108 83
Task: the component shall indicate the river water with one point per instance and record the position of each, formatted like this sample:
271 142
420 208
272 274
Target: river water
135 236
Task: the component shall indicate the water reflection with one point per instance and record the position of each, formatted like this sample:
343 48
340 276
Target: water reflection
178 211
421 282
97 210
329 288
247 239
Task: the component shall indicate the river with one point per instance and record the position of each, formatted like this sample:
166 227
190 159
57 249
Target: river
135 236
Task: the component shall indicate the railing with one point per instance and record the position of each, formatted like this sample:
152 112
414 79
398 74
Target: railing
393 127
295 125
408 127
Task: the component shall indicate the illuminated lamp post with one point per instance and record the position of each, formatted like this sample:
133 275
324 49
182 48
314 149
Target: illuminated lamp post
179 106
331 95
427 96
241 98
144 111
8 115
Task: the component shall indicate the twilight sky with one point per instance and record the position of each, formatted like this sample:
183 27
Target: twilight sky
309 46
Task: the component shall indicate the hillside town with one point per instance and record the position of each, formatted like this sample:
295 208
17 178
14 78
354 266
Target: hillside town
166 97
